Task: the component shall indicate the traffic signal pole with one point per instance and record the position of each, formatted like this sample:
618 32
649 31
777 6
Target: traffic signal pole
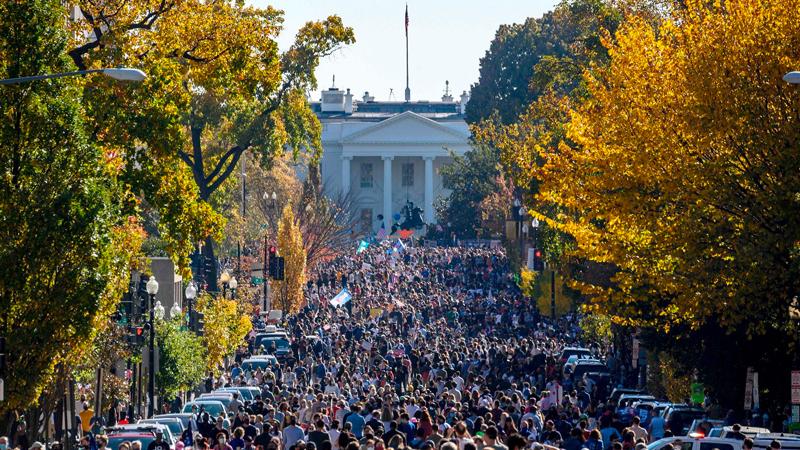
265 276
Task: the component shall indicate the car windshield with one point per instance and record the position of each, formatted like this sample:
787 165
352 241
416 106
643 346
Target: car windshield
114 441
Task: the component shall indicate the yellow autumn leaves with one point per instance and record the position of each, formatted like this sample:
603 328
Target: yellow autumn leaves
681 167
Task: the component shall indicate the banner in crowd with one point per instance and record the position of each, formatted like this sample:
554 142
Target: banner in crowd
362 246
405 234
375 312
399 246
341 298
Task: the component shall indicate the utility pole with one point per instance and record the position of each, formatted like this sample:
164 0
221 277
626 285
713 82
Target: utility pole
553 293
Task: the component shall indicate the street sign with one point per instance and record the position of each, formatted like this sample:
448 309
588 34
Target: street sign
748 390
698 394
2 390
796 395
796 378
796 413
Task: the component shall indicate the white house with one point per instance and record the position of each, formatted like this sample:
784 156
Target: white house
388 153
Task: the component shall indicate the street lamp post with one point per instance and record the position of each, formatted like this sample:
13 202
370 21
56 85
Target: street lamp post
224 279
152 290
122 74
191 293
264 268
233 284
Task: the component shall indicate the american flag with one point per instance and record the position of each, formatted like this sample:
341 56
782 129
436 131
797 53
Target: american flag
381 233
406 19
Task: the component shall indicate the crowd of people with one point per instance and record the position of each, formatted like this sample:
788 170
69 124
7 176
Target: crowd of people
437 349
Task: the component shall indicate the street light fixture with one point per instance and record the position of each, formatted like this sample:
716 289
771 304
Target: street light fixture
152 290
792 77
121 73
175 311
159 311
191 294
233 284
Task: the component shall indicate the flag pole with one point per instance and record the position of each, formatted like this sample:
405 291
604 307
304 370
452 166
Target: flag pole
408 90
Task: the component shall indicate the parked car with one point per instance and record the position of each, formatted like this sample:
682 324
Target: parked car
788 441
680 417
260 362
146 428
704 426
117 437
647 409
584 366
213 407
185 418
617 393
625 409
569 351
246 394
569 365
696 442
174 424
277 344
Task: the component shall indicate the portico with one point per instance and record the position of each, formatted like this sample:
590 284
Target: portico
382 161
388 203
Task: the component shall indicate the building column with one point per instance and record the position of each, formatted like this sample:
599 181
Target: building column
429 216
387 191
346 174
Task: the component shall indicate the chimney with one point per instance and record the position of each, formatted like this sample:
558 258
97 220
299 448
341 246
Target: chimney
332 100
367 97
348 102
464 100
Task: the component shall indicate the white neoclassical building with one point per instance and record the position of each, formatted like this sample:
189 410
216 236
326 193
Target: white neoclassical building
387 153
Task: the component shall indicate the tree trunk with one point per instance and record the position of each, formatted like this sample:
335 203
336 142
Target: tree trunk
211 275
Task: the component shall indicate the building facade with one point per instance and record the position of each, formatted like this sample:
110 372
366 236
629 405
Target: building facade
386 154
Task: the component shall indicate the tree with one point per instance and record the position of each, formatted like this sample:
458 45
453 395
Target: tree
181 359
289 292
65 238
525 61
471 178
218 86
680 170
226 323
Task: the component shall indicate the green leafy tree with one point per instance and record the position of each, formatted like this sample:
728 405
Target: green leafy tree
218 89
527 60
471 178
181 358
66 245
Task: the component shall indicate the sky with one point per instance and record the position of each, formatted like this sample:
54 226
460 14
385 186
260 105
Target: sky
447 38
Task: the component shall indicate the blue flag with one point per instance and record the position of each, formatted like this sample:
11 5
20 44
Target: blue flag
341 298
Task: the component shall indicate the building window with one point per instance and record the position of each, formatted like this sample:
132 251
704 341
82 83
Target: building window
366 175
366 220
408 175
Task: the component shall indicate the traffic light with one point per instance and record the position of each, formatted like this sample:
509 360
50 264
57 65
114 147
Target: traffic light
141 293
199 322
138 335
208 269
2 356
538 261
273 256
279 268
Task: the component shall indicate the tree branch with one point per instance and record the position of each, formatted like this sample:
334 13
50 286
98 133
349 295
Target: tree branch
237 153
